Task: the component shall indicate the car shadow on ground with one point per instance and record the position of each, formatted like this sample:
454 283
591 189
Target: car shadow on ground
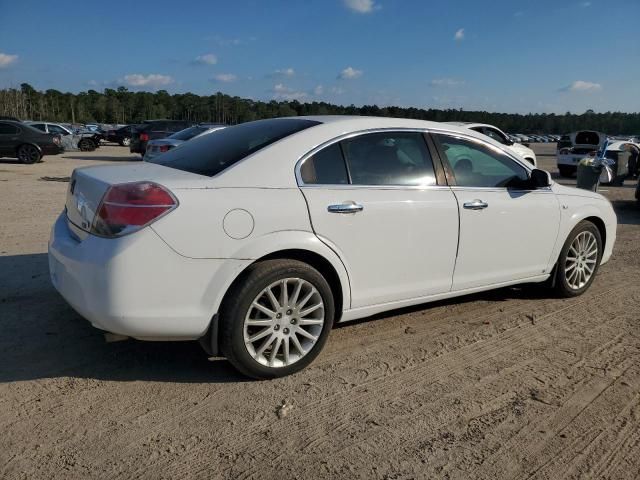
44 338
103 158
628 211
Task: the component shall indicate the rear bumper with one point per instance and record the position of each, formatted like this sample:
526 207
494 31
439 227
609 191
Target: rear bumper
134 285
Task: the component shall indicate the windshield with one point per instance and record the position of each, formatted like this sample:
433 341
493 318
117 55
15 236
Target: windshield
211 154
188 133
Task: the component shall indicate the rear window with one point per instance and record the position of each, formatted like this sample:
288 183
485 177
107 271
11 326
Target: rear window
211 154
587 138
188 133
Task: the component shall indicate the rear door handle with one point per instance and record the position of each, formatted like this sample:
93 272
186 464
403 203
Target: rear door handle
346 207
475 205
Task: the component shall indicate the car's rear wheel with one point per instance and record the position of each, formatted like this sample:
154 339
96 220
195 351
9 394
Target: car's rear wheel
579 260
125 142
29 154
86 145
276 318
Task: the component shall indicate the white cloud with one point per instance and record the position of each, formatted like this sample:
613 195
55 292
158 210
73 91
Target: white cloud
225 77
582 86
337 90
282 92
446 82
319 90
585 4
350 73
285 72
92 83
152 80
6 59
459 35
362 6
206 59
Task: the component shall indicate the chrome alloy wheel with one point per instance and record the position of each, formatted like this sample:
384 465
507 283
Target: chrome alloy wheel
581 260
284 322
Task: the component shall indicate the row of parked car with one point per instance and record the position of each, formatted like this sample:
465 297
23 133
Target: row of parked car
531 138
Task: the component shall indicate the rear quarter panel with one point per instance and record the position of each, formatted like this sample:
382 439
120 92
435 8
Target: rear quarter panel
221 222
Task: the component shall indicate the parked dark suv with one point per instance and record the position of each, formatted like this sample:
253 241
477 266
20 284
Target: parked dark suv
122 135
27 144
152 129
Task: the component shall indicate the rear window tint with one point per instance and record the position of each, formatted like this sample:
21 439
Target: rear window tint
587 138
211 154
188 133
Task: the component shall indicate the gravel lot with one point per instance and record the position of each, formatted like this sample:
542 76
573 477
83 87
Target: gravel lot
506 384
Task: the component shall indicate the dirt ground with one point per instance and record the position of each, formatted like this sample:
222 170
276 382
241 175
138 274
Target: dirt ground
506 384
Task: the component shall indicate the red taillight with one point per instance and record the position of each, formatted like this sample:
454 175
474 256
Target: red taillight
164 148
128 207
144 137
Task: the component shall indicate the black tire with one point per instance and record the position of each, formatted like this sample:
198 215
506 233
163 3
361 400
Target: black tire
86 145
29 154
239 299
561 286
566 171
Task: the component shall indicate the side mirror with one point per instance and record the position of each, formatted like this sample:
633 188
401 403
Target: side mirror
540 178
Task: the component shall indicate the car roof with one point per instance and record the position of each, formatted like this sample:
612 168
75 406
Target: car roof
275 170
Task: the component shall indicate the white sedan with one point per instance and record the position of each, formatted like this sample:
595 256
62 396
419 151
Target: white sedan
499 136
257 239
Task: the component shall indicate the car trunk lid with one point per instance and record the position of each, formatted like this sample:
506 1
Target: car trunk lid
88 186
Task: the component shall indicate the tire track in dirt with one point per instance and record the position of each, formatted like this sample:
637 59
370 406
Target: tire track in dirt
526 447
509 341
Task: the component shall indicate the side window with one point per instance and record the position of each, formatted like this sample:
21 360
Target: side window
496 135
57 130
8 129
39 126
393 158
326 167
158 127
476 165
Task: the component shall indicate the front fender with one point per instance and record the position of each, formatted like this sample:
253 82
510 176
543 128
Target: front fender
573 210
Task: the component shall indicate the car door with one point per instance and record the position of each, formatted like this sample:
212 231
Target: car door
375 200
9 139
507 228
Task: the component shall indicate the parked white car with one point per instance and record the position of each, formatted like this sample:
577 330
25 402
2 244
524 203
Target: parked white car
258 238
573 147
499 136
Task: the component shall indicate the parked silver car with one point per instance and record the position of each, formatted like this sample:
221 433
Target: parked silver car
162 145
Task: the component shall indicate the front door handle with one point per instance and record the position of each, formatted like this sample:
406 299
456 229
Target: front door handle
475 205
346 207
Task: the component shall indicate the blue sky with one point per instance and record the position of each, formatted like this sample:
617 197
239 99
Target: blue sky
498 55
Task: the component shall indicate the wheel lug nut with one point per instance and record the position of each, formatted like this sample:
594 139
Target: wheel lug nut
276 327
278 315
288 312
285 331
293 321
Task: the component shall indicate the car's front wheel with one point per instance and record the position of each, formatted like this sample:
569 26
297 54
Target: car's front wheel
276 318
86 145
579 260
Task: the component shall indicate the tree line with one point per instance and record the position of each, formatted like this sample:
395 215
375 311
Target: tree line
121 106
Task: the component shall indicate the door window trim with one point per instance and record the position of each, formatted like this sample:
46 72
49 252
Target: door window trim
441 180
461 136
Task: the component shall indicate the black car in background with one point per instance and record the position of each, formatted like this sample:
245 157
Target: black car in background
122 135
153 129
27 144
